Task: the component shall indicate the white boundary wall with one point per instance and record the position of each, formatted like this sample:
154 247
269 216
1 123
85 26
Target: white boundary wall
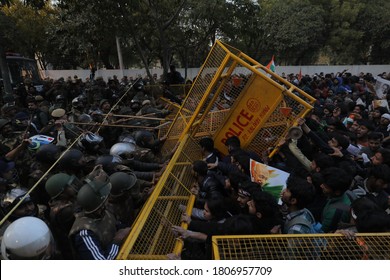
192 72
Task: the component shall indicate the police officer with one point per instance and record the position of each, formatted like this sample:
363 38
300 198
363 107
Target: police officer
9 139
94 235
62 189
27 207
124 196
73 162
45 157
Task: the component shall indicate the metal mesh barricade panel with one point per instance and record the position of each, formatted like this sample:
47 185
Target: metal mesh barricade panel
229 83
374 246
193 98
151 236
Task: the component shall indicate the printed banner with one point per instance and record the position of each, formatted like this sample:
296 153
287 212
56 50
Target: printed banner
382 87
272 179
380 103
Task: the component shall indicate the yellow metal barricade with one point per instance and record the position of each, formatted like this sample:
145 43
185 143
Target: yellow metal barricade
235 95
232 95
372 246
151 236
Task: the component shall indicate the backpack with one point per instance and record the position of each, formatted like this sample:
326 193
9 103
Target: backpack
317 244
300 220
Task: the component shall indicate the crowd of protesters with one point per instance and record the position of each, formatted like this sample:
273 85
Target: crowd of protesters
107 136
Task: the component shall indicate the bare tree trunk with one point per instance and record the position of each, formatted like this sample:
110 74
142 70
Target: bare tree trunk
143 58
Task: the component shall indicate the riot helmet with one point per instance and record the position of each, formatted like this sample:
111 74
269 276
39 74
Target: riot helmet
27 238
122 182
72 159
85 118
48 153
135 104
139 85
144 138
4 122
59 98
12 198
57 184
108 162
122 149
77 103
90 141
93 194
126 138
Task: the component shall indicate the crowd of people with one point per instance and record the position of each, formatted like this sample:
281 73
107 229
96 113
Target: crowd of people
80 158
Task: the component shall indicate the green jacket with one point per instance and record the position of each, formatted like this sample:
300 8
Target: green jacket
336 210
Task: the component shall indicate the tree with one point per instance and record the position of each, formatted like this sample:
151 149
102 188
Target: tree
85 33
197 29
158 18
294 30
374 22
5 3
344 36
31 24
242 27
77 33
35 4
5 42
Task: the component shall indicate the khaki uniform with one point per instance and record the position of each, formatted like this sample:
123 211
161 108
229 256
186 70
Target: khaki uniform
104 228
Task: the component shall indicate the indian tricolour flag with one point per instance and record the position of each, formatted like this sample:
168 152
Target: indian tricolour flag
271 65
271 179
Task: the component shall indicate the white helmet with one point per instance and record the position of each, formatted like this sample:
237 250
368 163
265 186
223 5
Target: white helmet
27 238
126 138
121 149
89 141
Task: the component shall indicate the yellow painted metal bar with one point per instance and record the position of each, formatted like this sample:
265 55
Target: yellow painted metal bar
169 205
283 89
172 197
224 77
267 236
258 65
205 96
178 115
179 243
146 209
180 183
185 100
173 104
297 98
287 83
185 155
160 228
284 81
183 163
215 248
150 257
237 246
